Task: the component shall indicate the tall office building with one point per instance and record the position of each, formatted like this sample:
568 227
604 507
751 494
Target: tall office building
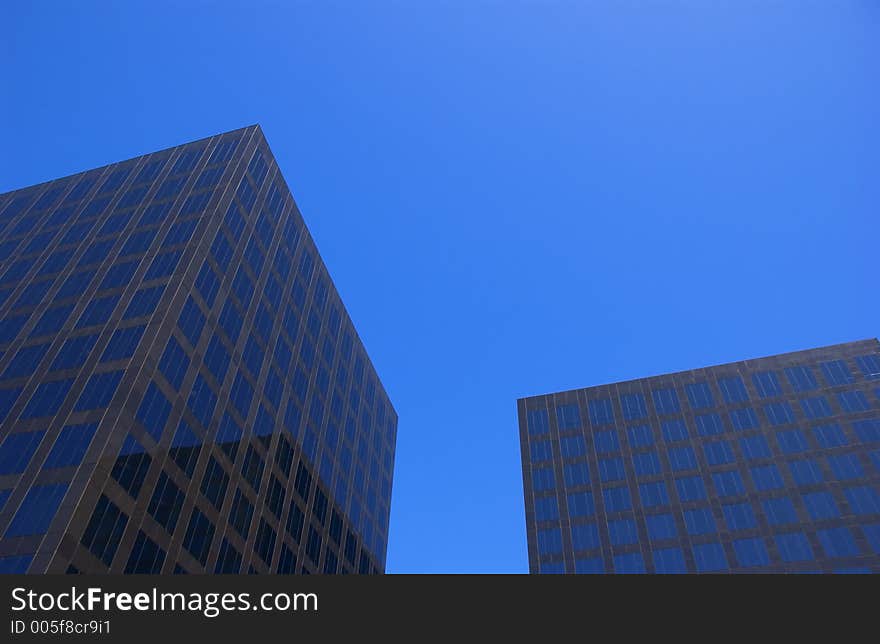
181 388
768 465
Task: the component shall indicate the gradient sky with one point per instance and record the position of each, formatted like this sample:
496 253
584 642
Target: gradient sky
512 198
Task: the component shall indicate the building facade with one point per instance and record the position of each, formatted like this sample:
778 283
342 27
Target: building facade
181 388
767 465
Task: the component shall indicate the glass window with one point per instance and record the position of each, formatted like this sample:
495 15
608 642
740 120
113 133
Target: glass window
576 474
661 526
838 542
791 441
50 323
16 451
739 516
546 509
755 447
607 441
718 453
623 532
231 322
699 395
143 302
572 446
568 417
629 563
549 541
690 488
98 311
853 401
202 400
191 321
98 391
668 561
198 537
647 463
806 472
699 521
47 399
863 499
71 445
585 536
611 469
123 343
26 361
682 458
666 401
779 511
640 436
830 435
617 499
543 479
601 412
163 265
174 363
767 477
153 411
633 406
541 451
801 378
733 389
728 483
674 430
653 494
779 413
794 547
767 384
710 557
751 552
580 504
821 505
743 419
552 568
36 510
836 372
845 466
816 407
869 365
207 284
868 431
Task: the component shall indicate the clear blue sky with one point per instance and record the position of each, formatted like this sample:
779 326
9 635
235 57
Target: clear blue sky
513 198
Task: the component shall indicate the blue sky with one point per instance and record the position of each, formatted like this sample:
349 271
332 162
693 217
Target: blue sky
512 198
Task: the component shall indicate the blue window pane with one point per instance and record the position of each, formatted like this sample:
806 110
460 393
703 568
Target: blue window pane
71 445
653 494
611 469
98 311
16 451
794 547
742 419
617 499
138 242
25 361
217 358
207 284
550 541
869 365
50 322
153 411
767 384
607 441
669 561
754 447
15 565
546 509
751 552
710 557
572 446
821 505
733 389
231 322
853 401
123 343
801 378
568 417
552 568
661 526
709 424
580 504
119 275
767 477
666 401
863 499
74 352
779 413
846 466
163 265
37 510
585 536
699 521
868 431
830 435
718 453
591 566
728 483
674 431
623 532
739 516
646 464
633 406
816 407
576 474
699 395
202 400
779 511
872 534
682 458
541 451
543 479
630 563
836 372
806 472
98 391
144 302
601 412
191 321
838 542
691 488
640 436
791 441
47 399
174 363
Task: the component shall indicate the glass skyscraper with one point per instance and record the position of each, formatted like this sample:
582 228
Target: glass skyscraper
766 465
181 388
